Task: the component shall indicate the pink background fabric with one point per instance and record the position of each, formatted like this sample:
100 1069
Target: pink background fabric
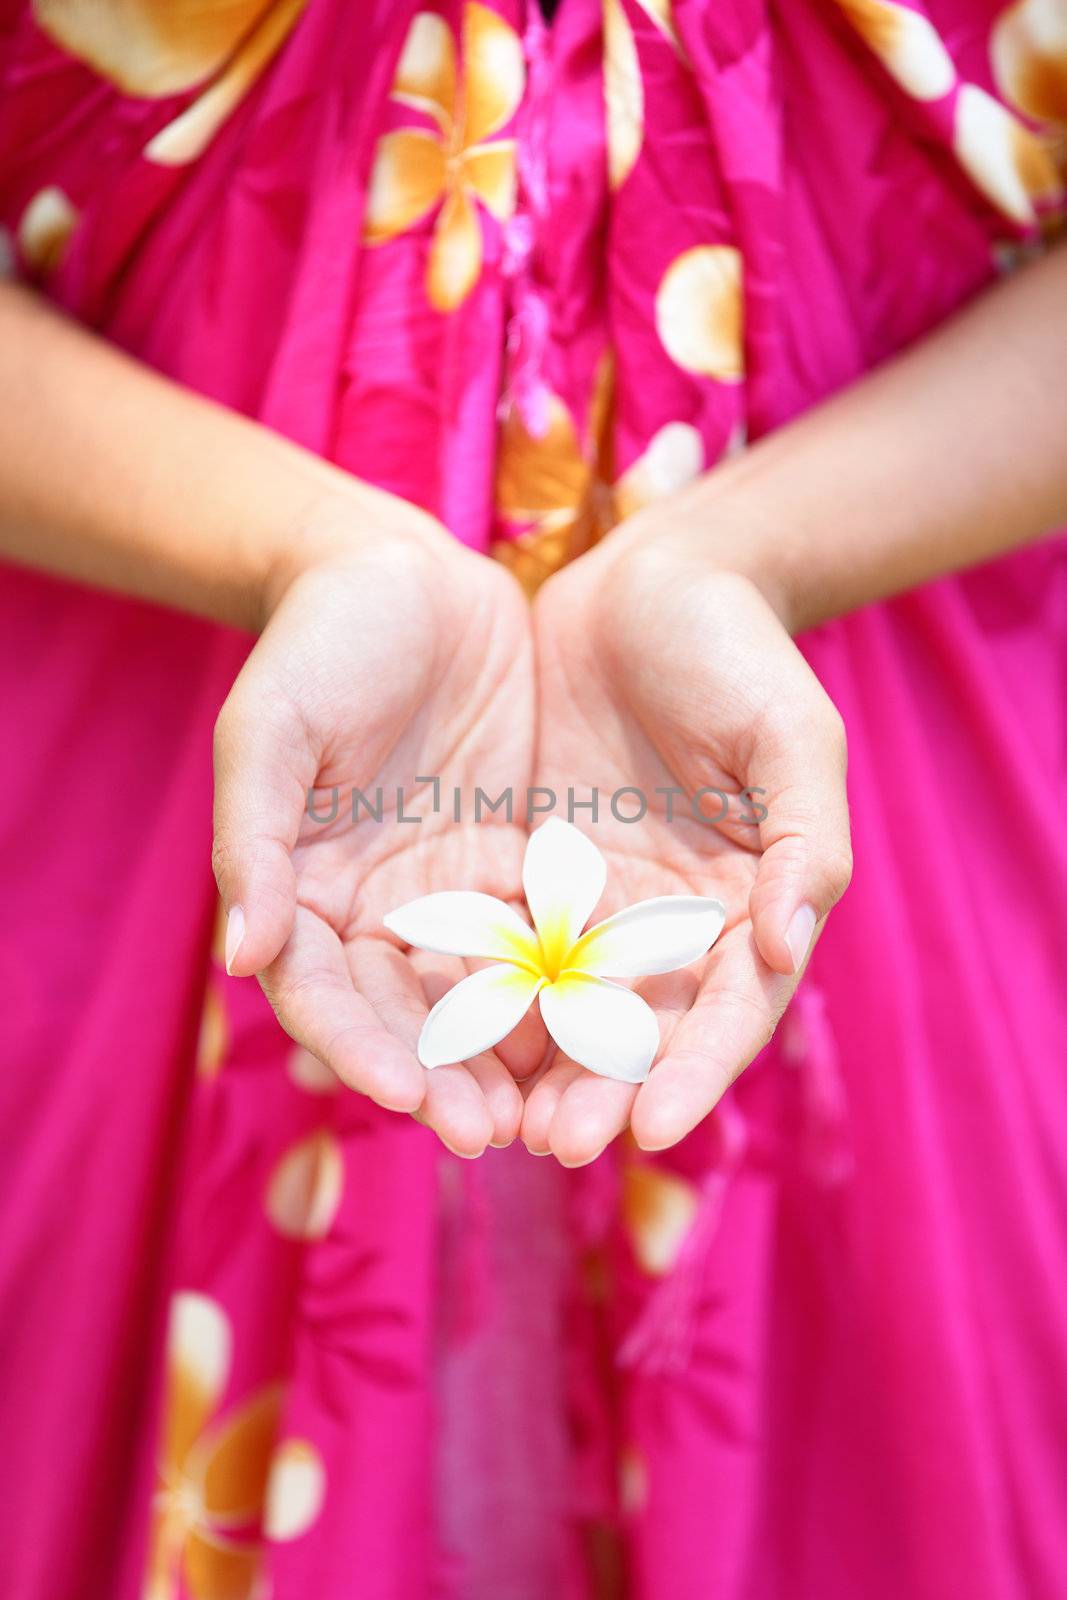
854 1379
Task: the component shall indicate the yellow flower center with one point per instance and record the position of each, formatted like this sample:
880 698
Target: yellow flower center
555 946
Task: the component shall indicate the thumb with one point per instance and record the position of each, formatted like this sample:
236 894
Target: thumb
263 768
799 754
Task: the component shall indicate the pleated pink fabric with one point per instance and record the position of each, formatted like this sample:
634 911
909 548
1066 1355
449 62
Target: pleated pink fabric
258 1337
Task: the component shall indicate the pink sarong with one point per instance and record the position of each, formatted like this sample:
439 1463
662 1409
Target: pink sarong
258 1337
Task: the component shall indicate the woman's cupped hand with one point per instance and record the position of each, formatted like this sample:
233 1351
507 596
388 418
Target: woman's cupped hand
401 686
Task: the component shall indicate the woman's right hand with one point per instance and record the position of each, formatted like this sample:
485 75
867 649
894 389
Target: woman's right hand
669 681
393 660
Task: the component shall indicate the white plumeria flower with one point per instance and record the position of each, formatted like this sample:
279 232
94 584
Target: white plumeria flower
601 1025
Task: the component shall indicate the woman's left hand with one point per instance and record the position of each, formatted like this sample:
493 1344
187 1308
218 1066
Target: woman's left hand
662 676
395 670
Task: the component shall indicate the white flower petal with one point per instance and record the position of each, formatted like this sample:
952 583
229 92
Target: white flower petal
477 1013
653 936
624 96
1000 155
563 876
296 1489
700 312
306 1187
674 457
907 44
200 1341
601 1025
461 922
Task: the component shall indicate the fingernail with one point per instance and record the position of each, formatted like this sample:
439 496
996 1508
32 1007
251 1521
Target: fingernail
463 1155
235 932
798 935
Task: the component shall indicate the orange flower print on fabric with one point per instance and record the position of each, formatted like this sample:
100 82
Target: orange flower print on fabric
624 93
907 44
214 1039
549 490
212 1474
296 1489
673 457
1012 166
44 229
633 1481
1009 163
1028 51
700 312
659 1208
456 163
156 48
221 1478
307 1072
214 1031
561 498
306 1186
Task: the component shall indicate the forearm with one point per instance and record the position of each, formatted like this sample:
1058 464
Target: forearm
113 475
952 453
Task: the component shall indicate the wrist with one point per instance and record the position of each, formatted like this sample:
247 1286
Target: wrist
338 520
721 527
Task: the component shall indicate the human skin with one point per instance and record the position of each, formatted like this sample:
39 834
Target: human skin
386 651
928 466
949 455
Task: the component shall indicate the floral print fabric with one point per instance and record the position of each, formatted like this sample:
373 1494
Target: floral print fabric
270 1340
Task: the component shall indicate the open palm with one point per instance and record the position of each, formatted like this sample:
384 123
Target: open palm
398 673
665 679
